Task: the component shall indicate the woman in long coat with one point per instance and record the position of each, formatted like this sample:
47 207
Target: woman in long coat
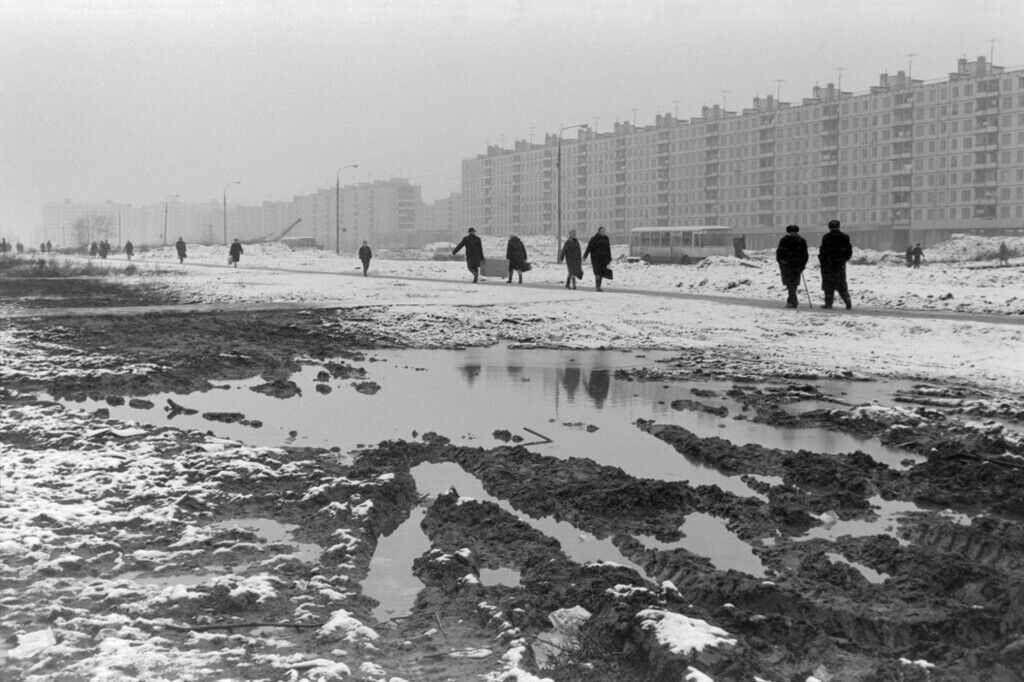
474 252
235 252
515 252
599 248
571 254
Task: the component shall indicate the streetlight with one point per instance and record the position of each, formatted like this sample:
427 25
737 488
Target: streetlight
236 182
558 166
337 208
166 201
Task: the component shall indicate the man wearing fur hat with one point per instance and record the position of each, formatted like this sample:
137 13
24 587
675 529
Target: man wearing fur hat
791 256
835 250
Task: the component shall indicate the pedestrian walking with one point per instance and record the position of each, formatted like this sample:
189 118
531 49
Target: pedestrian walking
235 253
104 249
19 247
515 252
572 254
833 253
474 252
49 246
181 248
1004 254
42 247
4 246
599 248
129 249
365 254
94 249
910 255
791 255
918 253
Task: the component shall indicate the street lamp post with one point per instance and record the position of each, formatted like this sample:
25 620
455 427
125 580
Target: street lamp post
236 182
337 207
166 201
558 169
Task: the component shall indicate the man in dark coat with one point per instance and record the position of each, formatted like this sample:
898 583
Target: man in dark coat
365 254
474 252
129 249
235 252
49 246
910 255
515 252
918 252
180 248
599 248
104 249
835 250
94 249
1004 254
573 257
791 256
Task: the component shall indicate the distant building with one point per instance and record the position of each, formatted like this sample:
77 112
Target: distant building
443 219
905 161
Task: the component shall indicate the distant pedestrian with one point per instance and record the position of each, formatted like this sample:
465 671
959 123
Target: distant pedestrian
833 253
104 249
571 253
599 248
235 253
49 246
910 255
474 252
4 246
180 247
918 253
42 247
791 255
19 247
515 252
1004 254
94 249
129 249
365 254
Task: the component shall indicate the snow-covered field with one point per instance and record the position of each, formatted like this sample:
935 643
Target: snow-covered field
955 277
451 311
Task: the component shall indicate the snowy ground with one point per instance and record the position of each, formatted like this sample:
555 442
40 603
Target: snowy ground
447 313
959 275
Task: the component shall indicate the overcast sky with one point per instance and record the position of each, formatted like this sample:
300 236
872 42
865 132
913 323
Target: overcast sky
133 101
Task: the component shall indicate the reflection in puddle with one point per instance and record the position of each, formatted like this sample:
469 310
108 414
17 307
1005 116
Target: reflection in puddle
390 580
549 391
889 514
499 576
274 532
870 574
708 536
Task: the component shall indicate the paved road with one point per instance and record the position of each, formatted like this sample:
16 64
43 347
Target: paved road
869 311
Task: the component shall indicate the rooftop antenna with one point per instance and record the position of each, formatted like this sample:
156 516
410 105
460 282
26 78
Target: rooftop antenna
676 102
910 67
724 93
992 49
839 80
595 120
634 116
778 90
531 134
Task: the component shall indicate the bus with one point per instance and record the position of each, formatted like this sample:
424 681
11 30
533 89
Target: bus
687 244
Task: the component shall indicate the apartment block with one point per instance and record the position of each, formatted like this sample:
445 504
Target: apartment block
905 161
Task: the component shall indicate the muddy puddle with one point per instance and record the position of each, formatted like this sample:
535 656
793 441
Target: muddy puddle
559 403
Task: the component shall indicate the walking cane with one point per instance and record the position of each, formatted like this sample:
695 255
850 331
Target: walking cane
807 291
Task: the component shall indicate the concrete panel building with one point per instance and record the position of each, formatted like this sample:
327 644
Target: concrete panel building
906 161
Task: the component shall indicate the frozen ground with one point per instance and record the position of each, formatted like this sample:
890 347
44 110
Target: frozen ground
451 311
958 275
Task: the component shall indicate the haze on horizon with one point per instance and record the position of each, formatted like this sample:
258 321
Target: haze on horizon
137 101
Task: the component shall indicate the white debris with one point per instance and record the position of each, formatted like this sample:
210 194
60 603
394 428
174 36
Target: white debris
33 643
681 634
